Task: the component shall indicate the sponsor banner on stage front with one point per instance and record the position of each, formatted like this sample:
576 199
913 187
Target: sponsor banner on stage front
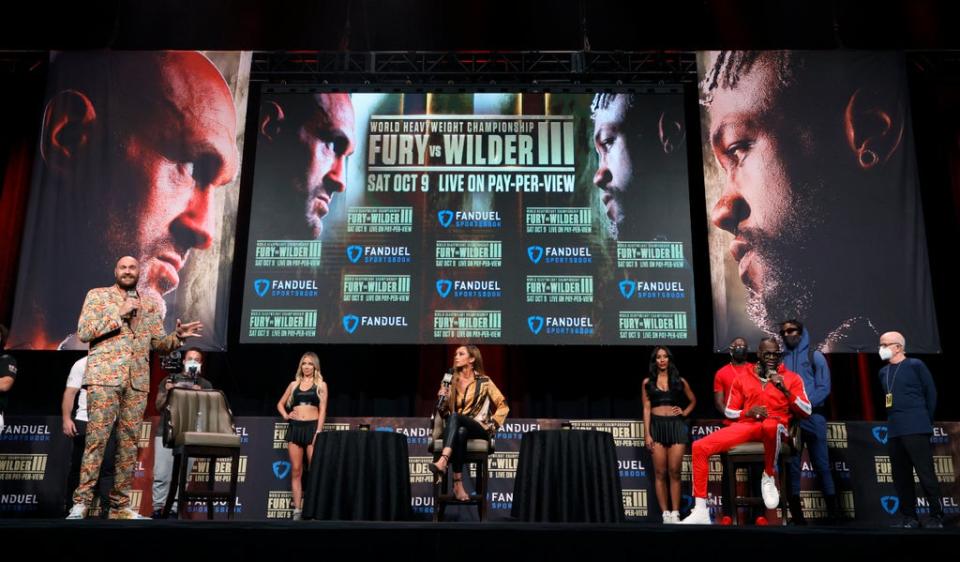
34 462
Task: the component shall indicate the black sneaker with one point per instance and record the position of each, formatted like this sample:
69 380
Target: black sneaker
157 514
909 523
934 522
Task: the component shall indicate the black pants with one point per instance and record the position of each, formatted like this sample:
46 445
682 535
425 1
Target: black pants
455 435
105 482
909 453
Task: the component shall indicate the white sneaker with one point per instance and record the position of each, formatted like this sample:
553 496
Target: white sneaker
126 513
297 515
768 489
699 515
78 511
668 518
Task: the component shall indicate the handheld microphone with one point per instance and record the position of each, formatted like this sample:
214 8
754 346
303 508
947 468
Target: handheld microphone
132 294
447 379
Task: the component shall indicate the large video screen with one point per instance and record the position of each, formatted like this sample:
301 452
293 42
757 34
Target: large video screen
494 218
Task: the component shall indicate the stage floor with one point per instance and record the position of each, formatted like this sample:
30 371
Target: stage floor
136 541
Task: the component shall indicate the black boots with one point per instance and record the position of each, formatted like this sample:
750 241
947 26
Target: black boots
796 511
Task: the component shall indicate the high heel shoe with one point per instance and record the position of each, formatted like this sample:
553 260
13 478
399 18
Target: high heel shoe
436 469
460 481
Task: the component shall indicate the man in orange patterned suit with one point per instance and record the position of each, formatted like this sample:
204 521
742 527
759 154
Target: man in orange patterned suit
122 328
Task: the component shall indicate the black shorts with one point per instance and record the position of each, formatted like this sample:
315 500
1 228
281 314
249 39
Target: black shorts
301 432
669 430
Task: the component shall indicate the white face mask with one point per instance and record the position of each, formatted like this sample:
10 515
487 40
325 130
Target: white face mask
886 353
191 366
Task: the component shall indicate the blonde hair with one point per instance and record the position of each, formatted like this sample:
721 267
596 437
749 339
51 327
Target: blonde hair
317 377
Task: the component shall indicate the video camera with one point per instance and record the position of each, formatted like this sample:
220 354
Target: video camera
173 364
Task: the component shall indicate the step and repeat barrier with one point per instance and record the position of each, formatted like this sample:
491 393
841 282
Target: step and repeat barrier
35 462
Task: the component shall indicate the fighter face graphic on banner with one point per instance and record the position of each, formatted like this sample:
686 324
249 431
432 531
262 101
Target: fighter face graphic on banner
812 197
139 154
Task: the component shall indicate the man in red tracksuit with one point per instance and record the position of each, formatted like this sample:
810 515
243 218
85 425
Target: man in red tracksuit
761 403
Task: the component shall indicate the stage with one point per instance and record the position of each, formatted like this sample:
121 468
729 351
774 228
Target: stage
76 541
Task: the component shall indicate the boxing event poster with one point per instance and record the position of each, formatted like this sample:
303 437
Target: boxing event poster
812 198
494 218
139 155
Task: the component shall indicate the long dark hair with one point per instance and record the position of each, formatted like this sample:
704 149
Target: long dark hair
673 374
474 352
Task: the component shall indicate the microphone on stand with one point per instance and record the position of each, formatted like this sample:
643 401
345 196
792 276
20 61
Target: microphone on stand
447 379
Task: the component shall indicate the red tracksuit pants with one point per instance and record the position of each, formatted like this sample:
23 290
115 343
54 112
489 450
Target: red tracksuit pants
768 431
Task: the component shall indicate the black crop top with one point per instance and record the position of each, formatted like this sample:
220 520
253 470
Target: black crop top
672 397
306 397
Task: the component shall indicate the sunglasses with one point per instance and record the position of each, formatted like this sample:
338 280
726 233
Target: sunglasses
789 332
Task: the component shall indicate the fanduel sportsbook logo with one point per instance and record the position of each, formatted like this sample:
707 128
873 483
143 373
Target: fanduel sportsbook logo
561 325
286 287
559 254
281 469
261 286
469 219
890 504
880 433
445 217
469 288
351 322
378 254
630 289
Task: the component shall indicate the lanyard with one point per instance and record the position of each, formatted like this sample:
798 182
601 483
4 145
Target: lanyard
889 387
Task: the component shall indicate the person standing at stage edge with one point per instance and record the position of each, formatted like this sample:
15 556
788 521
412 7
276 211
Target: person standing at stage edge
122 327
910 398
812 367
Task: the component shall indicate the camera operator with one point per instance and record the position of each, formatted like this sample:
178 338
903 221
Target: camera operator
183 374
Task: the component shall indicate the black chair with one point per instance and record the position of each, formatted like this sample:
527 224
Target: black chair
199 424
478 453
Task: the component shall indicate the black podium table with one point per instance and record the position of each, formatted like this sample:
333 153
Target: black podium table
568 476
358 475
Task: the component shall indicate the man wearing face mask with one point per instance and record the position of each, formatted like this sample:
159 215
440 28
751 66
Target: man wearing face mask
910 398
162 456
812 367
723 379
761 404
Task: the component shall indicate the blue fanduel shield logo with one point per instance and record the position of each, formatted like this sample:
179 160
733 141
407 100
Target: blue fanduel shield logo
350 323
880 433
444 286
354 253
535 253
281 469
890 504
261 286
535 323
385 429
627 287
687 502
445 218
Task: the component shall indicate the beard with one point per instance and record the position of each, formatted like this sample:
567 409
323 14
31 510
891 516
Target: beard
788 287
790 258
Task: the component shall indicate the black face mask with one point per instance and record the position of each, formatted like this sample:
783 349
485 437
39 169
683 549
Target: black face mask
792 341
738 353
